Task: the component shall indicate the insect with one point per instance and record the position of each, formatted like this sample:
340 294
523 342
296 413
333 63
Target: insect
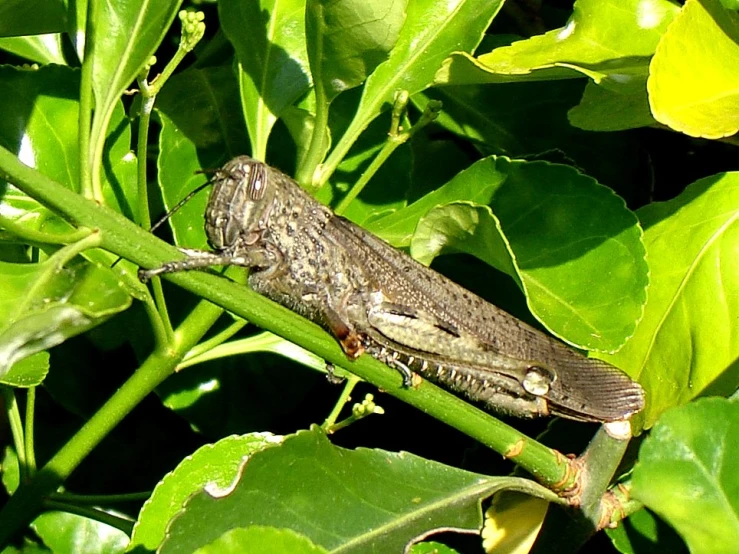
377 300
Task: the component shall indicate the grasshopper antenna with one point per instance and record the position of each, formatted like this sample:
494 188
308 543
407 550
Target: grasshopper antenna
177 206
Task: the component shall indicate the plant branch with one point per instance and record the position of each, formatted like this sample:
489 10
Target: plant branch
346 392
86 105
396 137
28 499
16 429
128 240
123 524
30 433
595 469
98 499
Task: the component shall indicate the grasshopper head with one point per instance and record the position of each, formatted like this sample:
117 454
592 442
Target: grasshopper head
239 204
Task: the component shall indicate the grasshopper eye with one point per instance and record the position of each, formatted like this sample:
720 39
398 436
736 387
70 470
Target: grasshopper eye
257 184
537 380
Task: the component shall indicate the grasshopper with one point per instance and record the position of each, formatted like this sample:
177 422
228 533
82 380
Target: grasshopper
377 300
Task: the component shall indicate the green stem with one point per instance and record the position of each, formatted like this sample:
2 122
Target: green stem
207 346
387 149
125 525
306 173
16 429
193 29
99 499
30 433
628 506
262 342
130 241
144 216
147 105
86 105
567 532
54 264
32 236
28 499
600 459
162 333
396 137
351 382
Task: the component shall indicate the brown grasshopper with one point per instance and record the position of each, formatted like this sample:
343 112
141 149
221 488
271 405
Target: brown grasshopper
376 299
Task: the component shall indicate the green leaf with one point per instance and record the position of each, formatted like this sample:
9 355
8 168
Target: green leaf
433 30
694 75
272 69
68 533
431 548
119 165
462 227
43 49
28 372
688 473
686 340
353 500
218 464
31 17
611 37
563 233
202 127
520 119
40 114
125 35
644 533
348 40
11 475
607 108
258 539
44 304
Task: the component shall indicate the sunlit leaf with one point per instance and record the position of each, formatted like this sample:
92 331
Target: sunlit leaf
687 339
694 76
688 473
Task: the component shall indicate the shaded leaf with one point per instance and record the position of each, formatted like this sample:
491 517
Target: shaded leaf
44 304
694 75
272 68
644 533
34 17
604 108
348 40
202 127
563 233
68 533
686 340
688 473
11 475
43 49
349 499
126 34
520 119
431 548
433 29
